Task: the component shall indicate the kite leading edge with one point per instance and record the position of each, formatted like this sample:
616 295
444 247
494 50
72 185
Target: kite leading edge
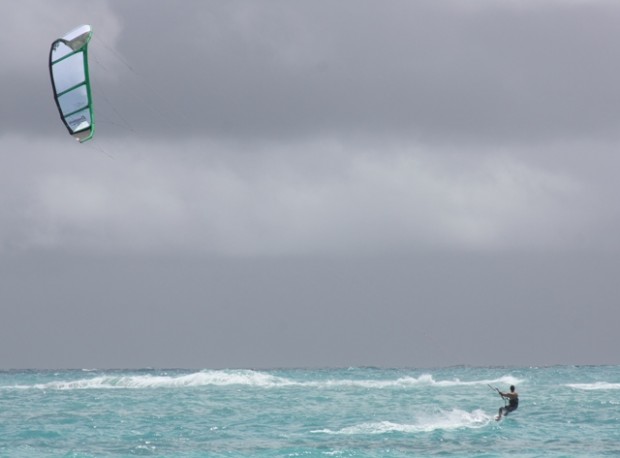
68 64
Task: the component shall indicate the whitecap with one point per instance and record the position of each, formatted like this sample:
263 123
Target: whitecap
594 386
141 381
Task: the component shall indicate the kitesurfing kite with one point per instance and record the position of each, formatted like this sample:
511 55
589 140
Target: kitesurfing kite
71 84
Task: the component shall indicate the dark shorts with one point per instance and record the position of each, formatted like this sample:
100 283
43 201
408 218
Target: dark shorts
509 409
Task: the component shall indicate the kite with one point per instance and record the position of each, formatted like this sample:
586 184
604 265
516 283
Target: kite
68 65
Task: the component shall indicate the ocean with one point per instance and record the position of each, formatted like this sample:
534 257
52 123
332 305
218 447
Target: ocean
564 411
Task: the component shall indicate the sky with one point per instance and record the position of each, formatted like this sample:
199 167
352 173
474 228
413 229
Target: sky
313 184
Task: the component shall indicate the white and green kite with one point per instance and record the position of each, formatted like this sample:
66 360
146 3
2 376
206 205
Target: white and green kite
70 81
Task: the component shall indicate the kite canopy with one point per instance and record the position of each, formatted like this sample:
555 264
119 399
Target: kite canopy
71 84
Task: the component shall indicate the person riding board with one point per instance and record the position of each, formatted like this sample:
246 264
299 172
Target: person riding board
513 402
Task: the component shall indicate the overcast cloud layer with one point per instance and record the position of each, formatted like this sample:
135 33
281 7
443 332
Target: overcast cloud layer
313 183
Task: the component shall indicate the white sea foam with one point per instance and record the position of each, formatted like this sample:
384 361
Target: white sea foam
252 379
425 380
594 386
444 420
203 378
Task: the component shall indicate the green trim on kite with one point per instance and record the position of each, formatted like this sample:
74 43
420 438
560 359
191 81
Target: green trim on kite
89 95
66 115
66 56
60 94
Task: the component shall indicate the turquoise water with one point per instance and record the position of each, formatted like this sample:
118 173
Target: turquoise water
356 412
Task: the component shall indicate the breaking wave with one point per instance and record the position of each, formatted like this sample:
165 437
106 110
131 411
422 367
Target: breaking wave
248 378
594 386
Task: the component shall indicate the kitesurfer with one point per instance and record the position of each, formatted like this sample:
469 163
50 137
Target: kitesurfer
513 402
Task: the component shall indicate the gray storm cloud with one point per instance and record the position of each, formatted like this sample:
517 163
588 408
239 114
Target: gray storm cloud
327 198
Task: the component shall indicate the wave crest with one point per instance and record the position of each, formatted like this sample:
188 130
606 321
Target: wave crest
203 378
249 378
594 386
